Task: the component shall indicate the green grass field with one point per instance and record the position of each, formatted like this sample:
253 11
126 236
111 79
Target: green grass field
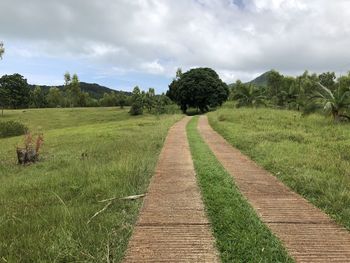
88 155
309 154
239 233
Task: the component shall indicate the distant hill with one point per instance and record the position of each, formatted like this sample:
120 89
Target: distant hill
261 80
95 90
258 81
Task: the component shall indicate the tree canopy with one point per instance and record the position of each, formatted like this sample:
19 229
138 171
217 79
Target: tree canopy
14 91
137 103
199 88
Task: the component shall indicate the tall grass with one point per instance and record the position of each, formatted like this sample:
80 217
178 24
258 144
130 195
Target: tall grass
88 155
309 154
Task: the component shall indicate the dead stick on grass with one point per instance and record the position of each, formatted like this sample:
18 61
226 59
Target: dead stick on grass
131 197
99 212
108 261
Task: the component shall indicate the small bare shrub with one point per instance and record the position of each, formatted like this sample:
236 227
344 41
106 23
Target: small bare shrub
30 152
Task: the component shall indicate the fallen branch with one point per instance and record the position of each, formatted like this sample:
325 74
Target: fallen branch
131 197
99 212
109 200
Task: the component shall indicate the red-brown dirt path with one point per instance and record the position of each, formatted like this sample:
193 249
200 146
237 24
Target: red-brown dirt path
308 234
172 226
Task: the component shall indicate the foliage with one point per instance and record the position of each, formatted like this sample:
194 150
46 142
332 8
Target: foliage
344 81
38 98
72 94
162 104
14 91
248 95
122 100
240 234
45 206
199 88
335 102
274 86
95 91
327 79
302 93
310 155
136 102
72 90
149 99
54 97
12 128
109 99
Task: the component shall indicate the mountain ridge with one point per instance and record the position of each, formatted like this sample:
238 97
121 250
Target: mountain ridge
95 90
260 80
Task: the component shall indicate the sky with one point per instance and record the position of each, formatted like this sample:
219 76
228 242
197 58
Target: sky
124 43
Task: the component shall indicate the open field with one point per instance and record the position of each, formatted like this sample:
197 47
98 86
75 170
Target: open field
239 233
309 154
88 155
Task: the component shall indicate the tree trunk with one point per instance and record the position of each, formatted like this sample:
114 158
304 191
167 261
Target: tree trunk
335 114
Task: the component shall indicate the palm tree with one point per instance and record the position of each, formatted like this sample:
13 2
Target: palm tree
249 95
335 103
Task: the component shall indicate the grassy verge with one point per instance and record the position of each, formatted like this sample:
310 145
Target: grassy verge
88 155
309 154
240 235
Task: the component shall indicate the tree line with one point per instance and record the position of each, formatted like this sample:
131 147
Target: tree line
307 93
149 101
16 93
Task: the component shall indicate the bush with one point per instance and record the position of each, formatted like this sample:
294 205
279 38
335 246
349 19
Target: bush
12 128
136 108
137 103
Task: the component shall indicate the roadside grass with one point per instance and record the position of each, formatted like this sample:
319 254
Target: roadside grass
240 235
88 155
37 119
309 154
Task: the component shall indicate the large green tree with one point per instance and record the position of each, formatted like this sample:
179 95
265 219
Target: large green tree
200 88
14 91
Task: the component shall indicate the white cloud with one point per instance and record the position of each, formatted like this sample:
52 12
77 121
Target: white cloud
153 67
156 36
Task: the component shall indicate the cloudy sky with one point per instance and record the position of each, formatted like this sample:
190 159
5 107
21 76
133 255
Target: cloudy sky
123 43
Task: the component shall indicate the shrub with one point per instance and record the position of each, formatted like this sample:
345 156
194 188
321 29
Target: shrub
30 152
137 104
136 108
12 128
